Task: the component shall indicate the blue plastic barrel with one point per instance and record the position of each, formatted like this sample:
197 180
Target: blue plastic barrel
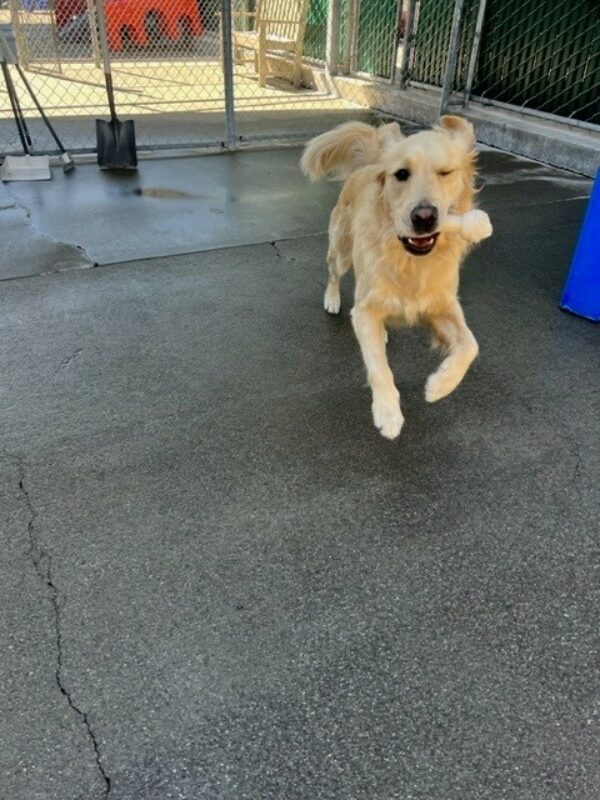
581 294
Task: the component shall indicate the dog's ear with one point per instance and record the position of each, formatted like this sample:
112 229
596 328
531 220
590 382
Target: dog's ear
389 134
459 128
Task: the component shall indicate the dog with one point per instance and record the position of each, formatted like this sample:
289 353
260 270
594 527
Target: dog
388 224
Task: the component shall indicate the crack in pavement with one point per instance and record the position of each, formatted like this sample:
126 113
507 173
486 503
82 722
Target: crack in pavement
275 245
20 205
68 359
42 562
64 255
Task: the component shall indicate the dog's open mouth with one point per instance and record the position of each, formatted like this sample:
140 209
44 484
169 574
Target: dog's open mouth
419 245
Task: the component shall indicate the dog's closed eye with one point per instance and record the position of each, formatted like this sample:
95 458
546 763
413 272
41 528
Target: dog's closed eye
445 172
402 175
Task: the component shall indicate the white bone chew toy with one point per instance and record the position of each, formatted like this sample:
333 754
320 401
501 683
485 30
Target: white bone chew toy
473 226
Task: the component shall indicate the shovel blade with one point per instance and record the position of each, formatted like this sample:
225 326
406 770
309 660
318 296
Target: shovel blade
115 141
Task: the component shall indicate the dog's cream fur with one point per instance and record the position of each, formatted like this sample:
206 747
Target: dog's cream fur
372 216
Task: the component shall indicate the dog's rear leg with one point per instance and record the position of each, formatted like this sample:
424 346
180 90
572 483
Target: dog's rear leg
337 269
339 258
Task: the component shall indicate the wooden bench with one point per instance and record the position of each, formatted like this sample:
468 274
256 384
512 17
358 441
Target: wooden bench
277 26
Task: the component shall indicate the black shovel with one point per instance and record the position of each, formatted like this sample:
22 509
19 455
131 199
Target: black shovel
115 140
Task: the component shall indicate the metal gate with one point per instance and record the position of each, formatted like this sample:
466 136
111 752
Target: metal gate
195 72
542 56
166 64
220 73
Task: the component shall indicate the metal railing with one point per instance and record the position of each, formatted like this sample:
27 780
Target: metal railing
538 55
195 73
543 56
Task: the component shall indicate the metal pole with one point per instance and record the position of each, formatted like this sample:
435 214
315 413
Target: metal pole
409 42
106 59
8 57
91 8
452 56
394 53
355 34
55 39
474 53
332 46
226 33
10 90
351 24
20 39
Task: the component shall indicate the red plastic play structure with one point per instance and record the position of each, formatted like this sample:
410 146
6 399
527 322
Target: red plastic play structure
139 22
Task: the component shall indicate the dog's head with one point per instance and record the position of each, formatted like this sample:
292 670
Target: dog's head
425 177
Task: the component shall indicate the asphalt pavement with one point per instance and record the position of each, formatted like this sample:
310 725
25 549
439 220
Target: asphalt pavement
218 581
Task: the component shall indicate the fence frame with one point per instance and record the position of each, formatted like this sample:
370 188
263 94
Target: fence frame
227 60
341 58
474 53
455 33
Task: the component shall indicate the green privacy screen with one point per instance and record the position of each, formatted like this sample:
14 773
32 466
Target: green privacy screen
542 54
375 37
538 54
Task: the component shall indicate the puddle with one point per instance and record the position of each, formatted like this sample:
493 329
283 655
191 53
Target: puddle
162 193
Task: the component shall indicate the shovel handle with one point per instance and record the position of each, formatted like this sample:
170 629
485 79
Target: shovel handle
105 57
111 95
6 53
10 90
102 35
40 109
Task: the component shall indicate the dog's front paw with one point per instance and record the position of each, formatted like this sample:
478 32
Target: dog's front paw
387 416
442 383
332 301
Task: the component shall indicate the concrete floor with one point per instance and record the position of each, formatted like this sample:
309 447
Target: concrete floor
219 582
192 204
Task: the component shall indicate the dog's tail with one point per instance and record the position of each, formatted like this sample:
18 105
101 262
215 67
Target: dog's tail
345 149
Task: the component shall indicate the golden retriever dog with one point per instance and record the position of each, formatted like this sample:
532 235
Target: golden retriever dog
389 225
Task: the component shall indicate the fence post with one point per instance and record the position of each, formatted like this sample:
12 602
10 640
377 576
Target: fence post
455 32
226 42
349 60
394 53
409 42
474 53
332 45
20 40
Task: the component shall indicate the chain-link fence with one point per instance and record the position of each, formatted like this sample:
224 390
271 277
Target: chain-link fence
279 55
539 55
165 60
297 66
543 56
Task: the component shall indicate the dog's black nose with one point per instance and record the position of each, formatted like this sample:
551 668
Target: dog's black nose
424 218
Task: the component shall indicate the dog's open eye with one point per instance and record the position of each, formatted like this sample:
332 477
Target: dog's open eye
402 175
445 172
